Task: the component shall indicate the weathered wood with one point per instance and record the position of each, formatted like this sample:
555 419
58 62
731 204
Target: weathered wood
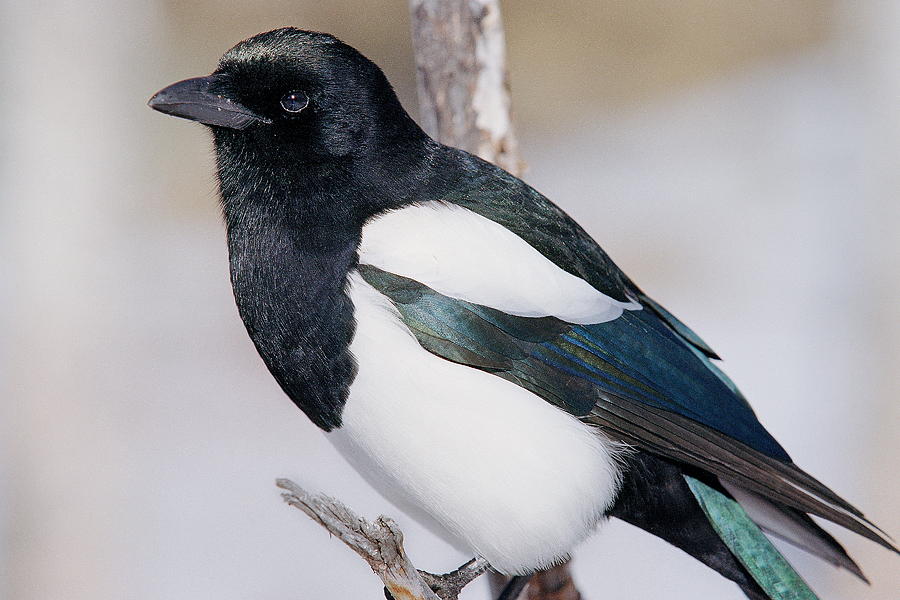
380 543
463 86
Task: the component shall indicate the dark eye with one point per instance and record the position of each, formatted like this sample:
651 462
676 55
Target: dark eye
294 102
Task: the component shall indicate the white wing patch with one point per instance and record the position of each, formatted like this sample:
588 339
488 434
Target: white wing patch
461 254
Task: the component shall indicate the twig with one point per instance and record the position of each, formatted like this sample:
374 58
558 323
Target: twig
380 543
449 585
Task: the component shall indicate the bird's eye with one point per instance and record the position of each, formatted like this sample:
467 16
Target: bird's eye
294 102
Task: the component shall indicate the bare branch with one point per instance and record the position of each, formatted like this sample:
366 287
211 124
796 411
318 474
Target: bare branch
462 80
449 585
380 543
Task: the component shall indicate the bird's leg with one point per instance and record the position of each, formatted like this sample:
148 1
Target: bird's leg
497 582
514 588
448 585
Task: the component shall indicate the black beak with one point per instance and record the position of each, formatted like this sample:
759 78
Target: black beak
192 99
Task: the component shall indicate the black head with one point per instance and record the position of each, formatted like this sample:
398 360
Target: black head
289 105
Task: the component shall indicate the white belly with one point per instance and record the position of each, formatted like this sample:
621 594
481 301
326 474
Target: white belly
519 481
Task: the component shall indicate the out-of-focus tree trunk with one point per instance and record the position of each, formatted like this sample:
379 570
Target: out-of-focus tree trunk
462 81
464 101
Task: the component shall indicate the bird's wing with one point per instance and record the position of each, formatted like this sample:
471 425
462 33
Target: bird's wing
631 376
507 200
488 286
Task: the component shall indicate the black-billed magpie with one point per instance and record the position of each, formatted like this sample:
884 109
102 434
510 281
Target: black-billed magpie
472 351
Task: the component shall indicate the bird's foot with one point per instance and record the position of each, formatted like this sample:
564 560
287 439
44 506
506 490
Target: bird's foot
448 585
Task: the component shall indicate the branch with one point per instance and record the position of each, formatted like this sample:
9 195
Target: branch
381 545
463 85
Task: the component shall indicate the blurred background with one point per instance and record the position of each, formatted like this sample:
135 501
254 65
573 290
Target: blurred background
738 159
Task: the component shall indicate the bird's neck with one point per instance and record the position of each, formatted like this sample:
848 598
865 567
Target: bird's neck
288 279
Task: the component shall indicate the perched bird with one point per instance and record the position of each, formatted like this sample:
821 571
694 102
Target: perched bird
472 351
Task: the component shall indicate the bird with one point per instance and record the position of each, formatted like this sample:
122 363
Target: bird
468 347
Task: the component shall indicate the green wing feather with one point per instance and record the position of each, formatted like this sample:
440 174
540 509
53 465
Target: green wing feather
745 539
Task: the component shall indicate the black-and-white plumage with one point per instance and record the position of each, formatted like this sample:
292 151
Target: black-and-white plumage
468 346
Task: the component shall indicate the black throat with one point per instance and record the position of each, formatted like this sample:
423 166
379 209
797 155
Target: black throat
289 287
293 234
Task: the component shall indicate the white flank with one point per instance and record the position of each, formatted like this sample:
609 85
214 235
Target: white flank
464 255
519 481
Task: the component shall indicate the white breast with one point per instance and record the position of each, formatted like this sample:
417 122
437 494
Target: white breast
518 480
461 254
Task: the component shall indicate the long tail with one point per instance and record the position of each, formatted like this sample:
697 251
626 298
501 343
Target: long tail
794 527
695 514
771 571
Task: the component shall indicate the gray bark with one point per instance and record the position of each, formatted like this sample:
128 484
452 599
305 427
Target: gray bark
380 543
463 86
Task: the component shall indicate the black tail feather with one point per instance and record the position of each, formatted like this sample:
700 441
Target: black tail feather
656 498
794 527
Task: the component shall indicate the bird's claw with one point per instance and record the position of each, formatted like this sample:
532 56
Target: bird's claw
448 585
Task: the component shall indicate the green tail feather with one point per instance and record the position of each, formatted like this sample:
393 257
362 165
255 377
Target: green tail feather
766 565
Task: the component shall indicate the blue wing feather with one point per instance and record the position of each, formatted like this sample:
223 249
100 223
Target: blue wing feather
640 345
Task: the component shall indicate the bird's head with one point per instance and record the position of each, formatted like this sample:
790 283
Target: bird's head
292 102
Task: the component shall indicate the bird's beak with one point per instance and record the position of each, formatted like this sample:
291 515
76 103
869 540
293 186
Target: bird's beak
193 99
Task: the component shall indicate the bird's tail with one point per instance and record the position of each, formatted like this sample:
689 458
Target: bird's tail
699 517
768 568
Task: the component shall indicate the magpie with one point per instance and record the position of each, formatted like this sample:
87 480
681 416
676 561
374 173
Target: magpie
470 349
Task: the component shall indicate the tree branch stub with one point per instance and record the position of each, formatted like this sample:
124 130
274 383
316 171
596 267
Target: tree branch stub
463 85
379 543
